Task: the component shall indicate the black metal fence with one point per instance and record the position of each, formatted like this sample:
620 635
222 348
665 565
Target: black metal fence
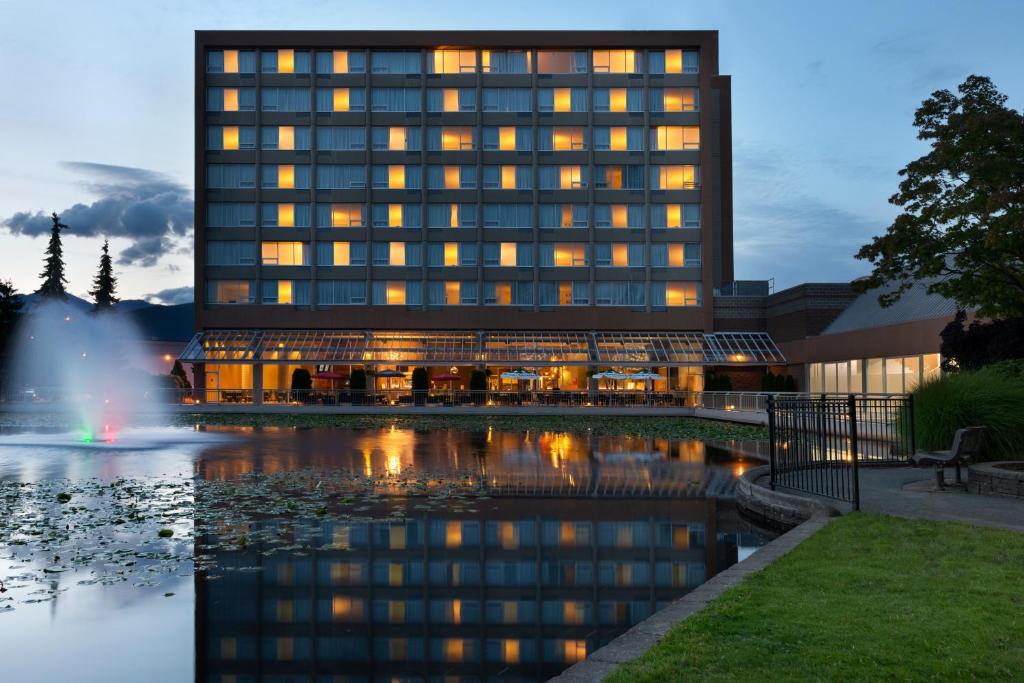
818 444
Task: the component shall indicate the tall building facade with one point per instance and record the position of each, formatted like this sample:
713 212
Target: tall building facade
502 199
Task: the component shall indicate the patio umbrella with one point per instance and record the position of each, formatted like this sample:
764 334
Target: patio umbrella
446 377
519 374
389 374
647 376
330 375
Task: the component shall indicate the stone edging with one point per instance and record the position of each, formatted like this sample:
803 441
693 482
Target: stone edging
636 641
988 480
775 508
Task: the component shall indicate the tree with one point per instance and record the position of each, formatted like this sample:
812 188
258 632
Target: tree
180 376
10 305
104 284
980 343
962 225
53 272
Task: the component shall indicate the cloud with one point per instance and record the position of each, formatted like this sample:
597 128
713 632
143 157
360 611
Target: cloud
174 295
148 208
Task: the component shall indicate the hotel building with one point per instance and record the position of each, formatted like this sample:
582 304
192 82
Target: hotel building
559 201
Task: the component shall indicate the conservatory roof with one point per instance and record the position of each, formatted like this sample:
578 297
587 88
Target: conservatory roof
382 347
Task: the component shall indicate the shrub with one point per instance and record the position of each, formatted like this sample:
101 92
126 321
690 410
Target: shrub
420 385
357 382
301 380
478 381
789 384
768 381
992 398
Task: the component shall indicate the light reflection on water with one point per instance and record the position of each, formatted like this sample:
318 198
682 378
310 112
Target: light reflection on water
579 537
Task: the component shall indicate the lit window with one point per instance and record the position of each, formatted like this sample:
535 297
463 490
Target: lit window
502 293
285 649
450 99
230 139
575 650
617 100
456 138
452 177
451 254
682 294
396 177
673 215
508 177
285 61
620 216
567 535
286 177
506 137
567 216
563 99
340 61
395 296
286 137
673 61
570 255
453 535
455 215
286 215
230 99
612 178
676 177
394 215
453 61
676 255
396 534
615 61
570 178
679 99
572 612
346 215
455 615
284 253
396 257
510 651
397 138
508 254
451 295
341 607
342 254
508 534
565 138
565 294
618 139
620 259
675 138
341 99
230 61
454 649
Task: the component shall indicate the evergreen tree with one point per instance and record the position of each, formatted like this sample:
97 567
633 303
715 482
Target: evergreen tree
53 273
104 283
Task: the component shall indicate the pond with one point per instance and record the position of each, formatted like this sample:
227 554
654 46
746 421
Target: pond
329 554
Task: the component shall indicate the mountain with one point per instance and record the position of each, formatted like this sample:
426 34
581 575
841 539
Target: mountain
30 301
165 323
129 305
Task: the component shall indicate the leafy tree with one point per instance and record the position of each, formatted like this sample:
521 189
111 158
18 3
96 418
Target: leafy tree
104 284
53 272
980 343
962 225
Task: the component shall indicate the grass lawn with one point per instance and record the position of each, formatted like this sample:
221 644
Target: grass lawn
867 598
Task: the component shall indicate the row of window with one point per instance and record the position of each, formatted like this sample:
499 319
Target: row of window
453 61
453 138
294 215
438 100
453 254
410 177
455 293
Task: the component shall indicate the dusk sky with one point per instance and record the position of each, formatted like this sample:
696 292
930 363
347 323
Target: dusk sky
97 115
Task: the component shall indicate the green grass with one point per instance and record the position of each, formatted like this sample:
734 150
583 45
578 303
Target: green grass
653 427
868 598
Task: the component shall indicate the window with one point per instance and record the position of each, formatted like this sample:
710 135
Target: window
673 99
508 177
619 254
230 253
561 99
397 293
561 138
508 293
230 99
562 255
452 293
675 216
671 138
397 254
561 61
618 100
505 61
230 291
397 138
619 216
341 100
340 177
451 215
675 177
452 62
285 215
619 138
230 137
451 177
451 99
285 137
450 138
341 253
294 292
675 294
340 62
617 61
674 62
285 99
508 215
395 99
405 62
285 176
340 293
230 176
506 99
396 215
340 216
230 214
396 177
617 293
562 177
340 138
563 216
619 177
450 254
285 253
508 254
286 61
508 138
563 293
675 255
231 62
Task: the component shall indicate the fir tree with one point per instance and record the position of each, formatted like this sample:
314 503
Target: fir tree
104 283
53 273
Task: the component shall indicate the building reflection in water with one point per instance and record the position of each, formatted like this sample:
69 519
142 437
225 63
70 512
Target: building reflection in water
533 580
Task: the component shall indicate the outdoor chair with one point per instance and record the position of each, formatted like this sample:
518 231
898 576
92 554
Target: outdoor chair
966 445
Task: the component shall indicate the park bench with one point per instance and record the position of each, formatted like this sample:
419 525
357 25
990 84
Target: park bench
966 445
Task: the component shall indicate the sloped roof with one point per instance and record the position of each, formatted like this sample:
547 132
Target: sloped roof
865 312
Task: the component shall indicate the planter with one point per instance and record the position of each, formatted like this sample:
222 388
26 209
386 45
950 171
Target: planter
1004 479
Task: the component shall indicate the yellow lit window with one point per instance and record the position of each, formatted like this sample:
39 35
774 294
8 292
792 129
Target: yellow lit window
228 648
283 254
570 178
569 255
681 294
346 573
620 259
508 177
285 61
340 61
397 138
230 61
456 138
485 61
623 574
617 100
573 612
508 533
454 649
456 612
395 570
506 137
510 651
453 535
230 139
394 215
454 61
451 99
673 61
567 535
618 139
285 649
565 294
396 177
230 99
674 215
346 215
285 611
396 257
613 177
396 612
451 254
452 177
396 296
615 61
284 292
502 293
679 99
620 216
342 254
286 215
286 137
676 177
563 99
566 215
681 537
676 257
575 650
341 607
567 138
676 137
508 253
451 298
510 612
341 99
623 534
455 215
286 177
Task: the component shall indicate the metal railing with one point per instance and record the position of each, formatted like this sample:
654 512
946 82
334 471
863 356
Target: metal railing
818 443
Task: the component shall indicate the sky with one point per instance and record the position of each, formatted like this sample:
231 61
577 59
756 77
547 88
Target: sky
96 117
